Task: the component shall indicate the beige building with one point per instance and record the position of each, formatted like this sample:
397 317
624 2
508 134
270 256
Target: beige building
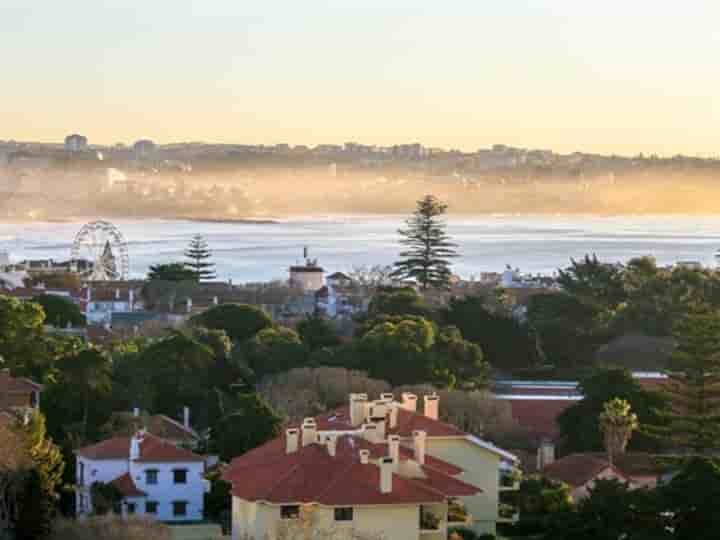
376 468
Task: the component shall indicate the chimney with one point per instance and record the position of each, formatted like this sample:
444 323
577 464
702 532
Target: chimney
215 300
432 403
331 442
117 294
394 448
545 454
387 397
409 401
131 299
188 305
380 429
292 437
309 431
357 409
386 474
135 442
370 433
419 446
186 417
136 412
393 417
364 457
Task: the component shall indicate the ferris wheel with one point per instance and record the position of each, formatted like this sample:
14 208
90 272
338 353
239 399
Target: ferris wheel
102 245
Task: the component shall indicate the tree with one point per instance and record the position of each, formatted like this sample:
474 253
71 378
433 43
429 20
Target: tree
273 350
617 424
537 501
20 329
59 311
171 272
580 423
429 248
240 321
399 301
595 284
245 421
459 363
317 332
693 389
199 254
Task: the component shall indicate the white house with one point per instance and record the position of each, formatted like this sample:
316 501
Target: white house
156 478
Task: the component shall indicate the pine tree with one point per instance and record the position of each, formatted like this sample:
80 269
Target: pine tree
693 421
199 253
429 247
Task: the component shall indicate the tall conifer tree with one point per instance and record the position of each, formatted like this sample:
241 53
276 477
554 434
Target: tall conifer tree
199 254
429 247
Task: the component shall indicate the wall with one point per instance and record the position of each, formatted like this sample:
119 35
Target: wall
165 492
481 468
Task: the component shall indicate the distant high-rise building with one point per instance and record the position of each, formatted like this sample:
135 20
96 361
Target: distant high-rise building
144 148
76 143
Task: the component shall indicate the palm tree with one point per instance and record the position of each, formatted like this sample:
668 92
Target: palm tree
617 424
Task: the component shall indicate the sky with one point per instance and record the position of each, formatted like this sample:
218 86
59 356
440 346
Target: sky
615 76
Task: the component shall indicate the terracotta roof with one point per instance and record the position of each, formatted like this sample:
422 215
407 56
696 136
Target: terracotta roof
538 416
578 469
310 474
127 487
159 425
152 449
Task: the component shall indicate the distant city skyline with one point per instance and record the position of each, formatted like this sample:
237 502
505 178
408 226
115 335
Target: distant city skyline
611 78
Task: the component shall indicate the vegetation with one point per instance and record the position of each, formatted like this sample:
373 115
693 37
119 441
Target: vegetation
59 311
198 255
239 321
617 424
109 527
429 248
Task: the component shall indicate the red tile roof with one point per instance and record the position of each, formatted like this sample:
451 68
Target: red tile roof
538 416
578 469
127 487
310 474
152 449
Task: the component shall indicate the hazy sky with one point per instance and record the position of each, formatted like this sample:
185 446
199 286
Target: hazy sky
618 76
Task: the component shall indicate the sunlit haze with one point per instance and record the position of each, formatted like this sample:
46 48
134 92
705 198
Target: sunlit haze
611 77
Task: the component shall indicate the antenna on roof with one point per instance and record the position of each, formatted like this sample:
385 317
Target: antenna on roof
305 252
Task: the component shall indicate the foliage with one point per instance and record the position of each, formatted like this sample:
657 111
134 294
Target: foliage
171 272
218 501
106 498
109 528
429 248
198 255
397 301
59 311
243 422
371 276
240 321
579 423
167 284
20 329
617 424
274 350
317 332
594 284
693 389
537 500
505 342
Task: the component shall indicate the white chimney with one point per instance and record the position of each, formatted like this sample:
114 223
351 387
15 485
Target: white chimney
215 300
292 437
387 397
386 474
364 457
357 409
88 293
393 417
131 299
370 433
380 430
545 454
117 294
394 448
136 412
331 445
135 442
309 431
419 446
432 403
186 417
409 401
188 305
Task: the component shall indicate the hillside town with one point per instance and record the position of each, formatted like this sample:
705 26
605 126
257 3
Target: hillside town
387 402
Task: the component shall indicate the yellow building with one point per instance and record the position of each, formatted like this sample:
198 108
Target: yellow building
374 468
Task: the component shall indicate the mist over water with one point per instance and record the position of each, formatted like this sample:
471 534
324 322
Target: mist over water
259 252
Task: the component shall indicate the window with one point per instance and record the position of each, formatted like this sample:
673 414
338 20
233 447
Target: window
344 514
289 512
179 476
151 477
130 508
179 508
151 507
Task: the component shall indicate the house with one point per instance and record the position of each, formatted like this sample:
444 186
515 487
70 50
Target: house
102 303
179 433
338 279
421 450
18 393
156 478
581 471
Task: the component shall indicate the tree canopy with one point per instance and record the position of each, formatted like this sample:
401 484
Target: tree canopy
60 311
239 321
198 254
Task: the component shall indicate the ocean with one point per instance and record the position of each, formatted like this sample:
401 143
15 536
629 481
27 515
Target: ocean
263 251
